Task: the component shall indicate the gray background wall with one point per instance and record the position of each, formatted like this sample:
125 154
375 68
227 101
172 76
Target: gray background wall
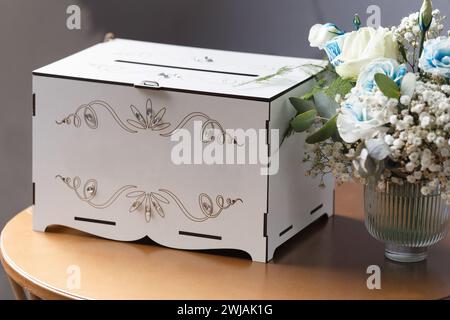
33 33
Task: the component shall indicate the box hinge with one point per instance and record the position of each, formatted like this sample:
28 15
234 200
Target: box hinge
34 104
34 193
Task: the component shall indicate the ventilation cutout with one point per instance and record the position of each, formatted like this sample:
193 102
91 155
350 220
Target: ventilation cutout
316 209
34 193
199 235
286 230
110 223
34 104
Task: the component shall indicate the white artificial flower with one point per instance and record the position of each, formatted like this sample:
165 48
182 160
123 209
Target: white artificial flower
417 175
398 144
447 171
417 141
358 121
425 190
361 47
410 167
403 135
408 119
425 160
418 108
434 167
389 139
392 103
409 36
320 34
440 142
405 100
414 157
425 121
393 119
445 152
431 137
445 88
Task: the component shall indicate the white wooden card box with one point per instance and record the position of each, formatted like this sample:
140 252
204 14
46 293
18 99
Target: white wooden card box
102 126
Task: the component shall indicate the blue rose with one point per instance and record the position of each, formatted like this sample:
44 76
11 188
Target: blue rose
333 48
389 67
435 58
357 121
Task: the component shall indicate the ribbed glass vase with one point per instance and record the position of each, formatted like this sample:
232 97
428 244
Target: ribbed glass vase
405 220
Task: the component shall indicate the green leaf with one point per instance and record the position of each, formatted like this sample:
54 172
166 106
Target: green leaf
327 131
318 86
304 121
325 105
287 133
309 95
387 86
339 86
301 105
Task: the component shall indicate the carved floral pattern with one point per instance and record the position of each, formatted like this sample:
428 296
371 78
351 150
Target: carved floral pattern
151 203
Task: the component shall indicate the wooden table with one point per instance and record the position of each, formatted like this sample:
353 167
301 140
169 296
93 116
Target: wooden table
328 260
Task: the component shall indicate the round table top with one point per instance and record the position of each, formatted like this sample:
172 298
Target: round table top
328 260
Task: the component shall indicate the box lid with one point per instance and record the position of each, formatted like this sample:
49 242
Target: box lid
179 68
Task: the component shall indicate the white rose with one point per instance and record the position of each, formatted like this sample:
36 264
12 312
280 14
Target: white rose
319 34
359 48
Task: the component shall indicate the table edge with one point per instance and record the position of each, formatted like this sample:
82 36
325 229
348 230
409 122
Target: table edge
27 281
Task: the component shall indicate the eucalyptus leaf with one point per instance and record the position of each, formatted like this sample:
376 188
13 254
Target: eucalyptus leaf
339 86
287 133
327 131
325 105
387 86
301 105
310 94
304 121
378 149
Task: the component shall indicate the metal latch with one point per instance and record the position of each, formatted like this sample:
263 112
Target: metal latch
148 84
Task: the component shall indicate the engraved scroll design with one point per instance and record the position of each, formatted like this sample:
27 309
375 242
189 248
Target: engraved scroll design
149 202
150 119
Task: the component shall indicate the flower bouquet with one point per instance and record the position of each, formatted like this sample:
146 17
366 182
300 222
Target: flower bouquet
380 115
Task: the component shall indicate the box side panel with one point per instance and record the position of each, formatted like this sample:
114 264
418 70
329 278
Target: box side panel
295 200
104 162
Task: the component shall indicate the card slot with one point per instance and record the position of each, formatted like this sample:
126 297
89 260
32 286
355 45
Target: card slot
189 69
